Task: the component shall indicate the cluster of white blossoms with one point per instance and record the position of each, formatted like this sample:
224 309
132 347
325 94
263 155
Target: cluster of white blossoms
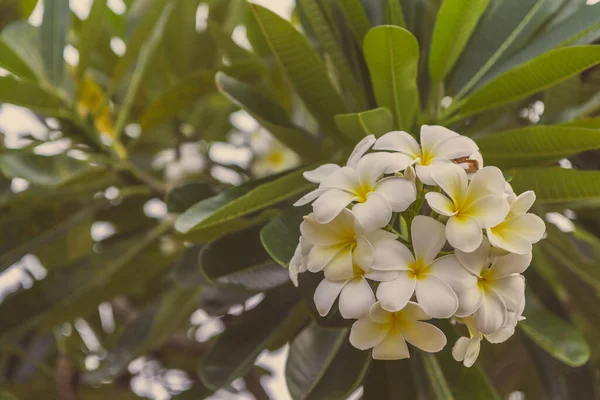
392 267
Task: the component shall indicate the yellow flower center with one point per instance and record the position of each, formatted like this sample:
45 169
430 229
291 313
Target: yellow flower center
418 270
276 157
362 192
426 157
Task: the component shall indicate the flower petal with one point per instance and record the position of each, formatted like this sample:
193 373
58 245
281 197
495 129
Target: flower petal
486 181
459 350
399 141
372 166
440 203
523 203
318 174
399 192
491 316
476 260
469 300
340 268
392 347
510 264
454 147
488 211
310 196
425 172
428 238
318 234
360 149
511 289
330 204
414 311
464 233
424 336
378 314
436 297
325 295
356 299
344 178
453 180
320 256
451 271
363 254
473 349
508 240
374 213
381 276
431 135
378 235
530 226
391 255
366 334
395 294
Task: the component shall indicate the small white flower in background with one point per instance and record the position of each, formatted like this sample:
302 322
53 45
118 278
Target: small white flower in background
439 147
430 279
520 229
387 332
344 251
471 206
177 167
495 288
271 156
361 182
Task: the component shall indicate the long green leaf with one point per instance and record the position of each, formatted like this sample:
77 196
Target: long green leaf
91 31
303 67
559 188
532 77
393 14
280 236
27 94
392 54
10 61
357 19
557 337
436 377
536 145
269 114
455 23
54 29
181 36
373 122
386 379
24 40
323 364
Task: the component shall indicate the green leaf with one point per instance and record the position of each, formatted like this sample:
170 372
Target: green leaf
54 29
532 77
269 114
557 337
230 48
181 36
91 31
226 207
392 54
590 123
455 23
559 188
373 122
182 197
146 53
10 61
30 95
329 37
323 364
235 350
24 40
536 145
436 377
303 67
388 378
4 395
356 17
187 272
280 236
393 14
27 7
249 267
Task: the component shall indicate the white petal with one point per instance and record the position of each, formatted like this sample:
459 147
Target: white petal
511 264
523 203
399 192
491 316
476 260
320 256
424 336
392 255
372 166
453 180
415 312
464 233
455 147
310 196
320 173
340 268
363 254
325 295
486 181
356 299
451 271
436 297
399 141
459 350
360 149
395 294
378 314
344 178
330 204
530 226
428 238
469 300
472 353
381 276
393 347
512 290
378 235
488 211
440 203
366 334
509 240
374 213
336 231
431 135
425 172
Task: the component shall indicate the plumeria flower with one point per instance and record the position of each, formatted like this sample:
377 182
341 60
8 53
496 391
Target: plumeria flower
469 206
520 229
361 182
344 251
387 332
429 277
495 288
439 147
299 262
277 158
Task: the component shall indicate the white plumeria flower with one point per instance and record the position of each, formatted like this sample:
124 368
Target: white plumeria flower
469 206
430 278
495 288
439 146
277 158
344 251
520 229
360 182
387 332
299 262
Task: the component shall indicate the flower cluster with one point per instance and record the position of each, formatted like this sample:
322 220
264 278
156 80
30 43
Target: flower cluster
406 232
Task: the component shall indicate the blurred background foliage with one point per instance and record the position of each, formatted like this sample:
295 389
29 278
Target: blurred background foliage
145 225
